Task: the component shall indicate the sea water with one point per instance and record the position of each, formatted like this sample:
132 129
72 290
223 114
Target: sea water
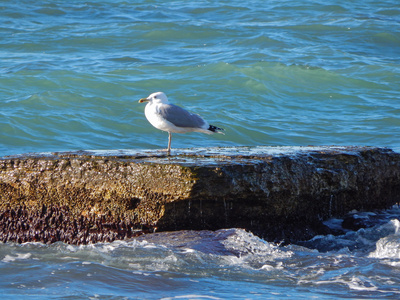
225 264
270 72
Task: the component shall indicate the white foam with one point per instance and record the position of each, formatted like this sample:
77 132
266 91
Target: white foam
361 283
19 256
244 243
389 246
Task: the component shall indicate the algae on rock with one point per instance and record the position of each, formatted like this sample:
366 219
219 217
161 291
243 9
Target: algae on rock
280 193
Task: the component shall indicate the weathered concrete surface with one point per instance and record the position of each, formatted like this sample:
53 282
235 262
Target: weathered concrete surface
280 193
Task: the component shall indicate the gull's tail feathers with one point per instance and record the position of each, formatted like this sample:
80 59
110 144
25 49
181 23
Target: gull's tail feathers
216 129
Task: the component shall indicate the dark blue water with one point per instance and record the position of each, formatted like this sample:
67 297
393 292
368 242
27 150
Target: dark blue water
226 264
269 72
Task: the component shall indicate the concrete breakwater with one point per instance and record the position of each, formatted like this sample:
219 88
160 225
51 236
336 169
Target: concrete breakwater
279 193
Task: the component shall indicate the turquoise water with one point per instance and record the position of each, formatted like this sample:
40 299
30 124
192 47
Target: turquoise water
275 73
269 72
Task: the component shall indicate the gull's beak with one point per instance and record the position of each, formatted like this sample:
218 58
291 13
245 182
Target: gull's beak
144 100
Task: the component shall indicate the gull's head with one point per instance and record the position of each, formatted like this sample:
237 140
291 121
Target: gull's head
158 97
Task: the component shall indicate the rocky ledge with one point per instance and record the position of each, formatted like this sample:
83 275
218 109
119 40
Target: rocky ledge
279 193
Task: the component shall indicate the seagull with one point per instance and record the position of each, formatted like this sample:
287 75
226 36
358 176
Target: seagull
174 119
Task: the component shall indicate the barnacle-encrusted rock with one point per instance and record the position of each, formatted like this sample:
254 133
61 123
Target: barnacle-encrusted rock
280 193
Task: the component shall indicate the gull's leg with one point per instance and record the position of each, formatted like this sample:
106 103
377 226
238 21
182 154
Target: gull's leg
169 143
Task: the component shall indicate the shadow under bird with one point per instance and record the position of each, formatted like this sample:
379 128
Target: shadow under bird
174 119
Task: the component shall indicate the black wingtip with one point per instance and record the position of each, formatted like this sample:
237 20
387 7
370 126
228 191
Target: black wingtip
216 129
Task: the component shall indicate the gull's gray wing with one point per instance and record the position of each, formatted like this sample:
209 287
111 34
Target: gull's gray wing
180 117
